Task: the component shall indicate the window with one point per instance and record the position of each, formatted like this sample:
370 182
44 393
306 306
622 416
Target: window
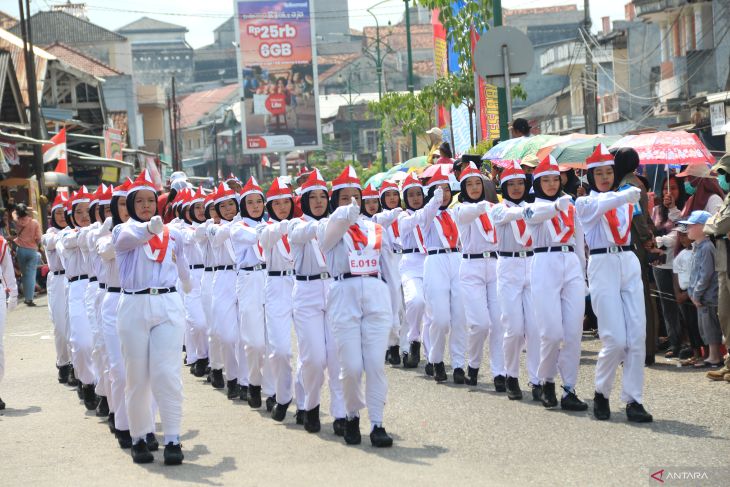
371 140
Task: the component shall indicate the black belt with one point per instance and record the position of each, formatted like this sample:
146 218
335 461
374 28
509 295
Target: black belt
196 266
313 277
521 253
559 248
92 279
290 272
614 249
208 269
59 273
102 285
257 267
408 251
77 278
443 251
114 289
153 290
225 268
349 275
483 255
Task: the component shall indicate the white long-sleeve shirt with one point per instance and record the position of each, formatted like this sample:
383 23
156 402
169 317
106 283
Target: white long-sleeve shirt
591 211
49 241
7 269
221 242
108 255
476 236
246 243
411 222
73 259
309 259
506 217
547 224
274 240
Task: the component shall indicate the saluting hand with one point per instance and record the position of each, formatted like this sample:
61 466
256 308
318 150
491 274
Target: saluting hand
632 195
353 211
563 203
155 225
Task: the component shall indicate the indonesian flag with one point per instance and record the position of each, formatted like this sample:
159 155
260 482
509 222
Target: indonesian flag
57 150
265 161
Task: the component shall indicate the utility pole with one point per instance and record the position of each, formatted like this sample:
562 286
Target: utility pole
410 71
379 71
590 110
501 92
215 148
175 114
35 119
350 112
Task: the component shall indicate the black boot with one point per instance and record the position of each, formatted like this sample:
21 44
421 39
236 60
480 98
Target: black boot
514 393
571 402
102 410
414 355
299 416
124 439
2 405
173 454
311 420
547 398
270 403
254 397
63 372
243 393
500 384
141 454
199 367
428 369
338 426
536 392
72 380
459 376
439 372
152 442
352 431
216 379
233 389
394 358
110 423
636 413
279 411
90 398
379 438
601 409
80 390
471 376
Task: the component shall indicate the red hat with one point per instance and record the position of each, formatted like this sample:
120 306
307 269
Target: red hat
69 202
143 182
387 186
440 177
232 177
347 179
471 170
304 170
600 157
251 187
180 197
278 190
106 197
514 172
223 193
411 181
198 197
122 189
81 196
96 195
209 198
369 193
548 167
314 182
60 201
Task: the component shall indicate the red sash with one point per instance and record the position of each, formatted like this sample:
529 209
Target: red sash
564 225
396 229
360 239
158 246
449 230
614 225
522 227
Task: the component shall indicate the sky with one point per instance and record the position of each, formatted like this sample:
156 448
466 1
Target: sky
201 21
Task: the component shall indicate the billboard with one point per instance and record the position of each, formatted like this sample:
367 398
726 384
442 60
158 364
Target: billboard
277 69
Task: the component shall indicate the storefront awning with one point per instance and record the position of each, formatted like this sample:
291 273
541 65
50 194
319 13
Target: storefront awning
83 159
193 162
22 139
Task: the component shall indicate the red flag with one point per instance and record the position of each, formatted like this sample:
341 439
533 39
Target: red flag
57 150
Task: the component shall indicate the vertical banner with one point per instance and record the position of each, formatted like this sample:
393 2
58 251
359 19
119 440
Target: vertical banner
485 102
113 144
441 61
277 68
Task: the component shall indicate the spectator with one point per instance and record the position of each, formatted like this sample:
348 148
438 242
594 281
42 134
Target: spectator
27 241
687 310
569 181
520 128
7 228
446 156
704 192
666 214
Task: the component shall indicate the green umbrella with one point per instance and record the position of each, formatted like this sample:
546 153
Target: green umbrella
575 154
416 162
376 180
528 146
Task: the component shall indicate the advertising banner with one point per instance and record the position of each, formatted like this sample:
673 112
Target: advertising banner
277 66
113 144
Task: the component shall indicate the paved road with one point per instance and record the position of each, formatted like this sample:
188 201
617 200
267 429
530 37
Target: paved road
444 434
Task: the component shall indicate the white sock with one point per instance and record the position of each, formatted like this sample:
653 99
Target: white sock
174 439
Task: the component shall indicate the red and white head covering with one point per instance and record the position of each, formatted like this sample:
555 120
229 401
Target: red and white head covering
548 166
411 181
106 196
232 179
223 193
370 193
387 186
251 187
60 201
600 157
440 177
143 182
122 189
314 182
80 196
180 197
198 197
278 190
347 179
96 195
469 171
209 198
513 172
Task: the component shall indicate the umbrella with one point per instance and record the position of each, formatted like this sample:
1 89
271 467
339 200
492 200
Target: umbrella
668 147
563 140
434 168
376 180
414 163
528 146
54 179
575 154
496 152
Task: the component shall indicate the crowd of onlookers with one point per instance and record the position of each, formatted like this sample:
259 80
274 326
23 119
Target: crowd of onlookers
22 231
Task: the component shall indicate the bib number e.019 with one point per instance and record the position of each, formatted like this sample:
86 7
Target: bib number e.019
364 262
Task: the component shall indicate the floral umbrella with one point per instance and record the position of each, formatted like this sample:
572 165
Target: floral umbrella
528 146
496 152
668 147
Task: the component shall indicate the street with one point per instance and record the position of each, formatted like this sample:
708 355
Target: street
444 434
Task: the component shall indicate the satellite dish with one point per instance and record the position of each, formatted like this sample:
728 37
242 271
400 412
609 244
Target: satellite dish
490 52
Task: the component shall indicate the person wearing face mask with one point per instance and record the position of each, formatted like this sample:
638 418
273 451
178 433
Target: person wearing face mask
558 284
705 193
614 281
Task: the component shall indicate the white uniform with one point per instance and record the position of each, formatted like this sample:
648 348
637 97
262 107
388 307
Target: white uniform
617 296
478 274
96 267
196 346
388 219
57 299
411 272
215 355
558 288
151 326
8 282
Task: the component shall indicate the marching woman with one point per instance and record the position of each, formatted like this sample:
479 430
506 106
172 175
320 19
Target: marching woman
478 274
513 283
315 341
279 285
614 282
7 273
81 336
151 319
357 306
56 286
411 270
558 284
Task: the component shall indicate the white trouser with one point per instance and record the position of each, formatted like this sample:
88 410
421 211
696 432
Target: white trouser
151 329
360 314
411 271
481 308
101 361
97 357
426 334
215 353
617 297
196 338
251 298
81 338
316 345
518 318
278 333
392 276
558 298
442 290
117 379
57 302
225 319
3 315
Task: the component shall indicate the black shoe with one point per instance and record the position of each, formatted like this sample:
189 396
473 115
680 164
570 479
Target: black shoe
216 379
243 393
686 353
571 402
80 390
2 405
110 423
233 389
270 403
311 420
299 416
191 367
352 431
601 409
649 360
636 413
141 454
63 372
102 409
414 356
30 303
394 352
547 398
439 372
124 439
471 376
279 411
500 383
72 380
536 392
514 393
459 376
379 438
429 369
173 454
90 398
198 368
152 443
387 356
254 397
338 426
